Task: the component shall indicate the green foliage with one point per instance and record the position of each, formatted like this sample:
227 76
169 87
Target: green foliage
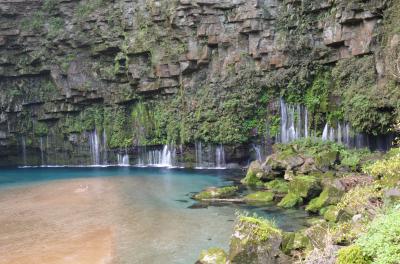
33 23
387 169
381 242
366 106
41 129
56 24
86 7
351 255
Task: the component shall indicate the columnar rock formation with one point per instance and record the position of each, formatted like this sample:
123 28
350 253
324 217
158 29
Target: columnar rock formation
150 72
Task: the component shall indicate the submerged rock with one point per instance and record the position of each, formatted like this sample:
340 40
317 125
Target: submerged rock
256 241
259 197
212 256
216 193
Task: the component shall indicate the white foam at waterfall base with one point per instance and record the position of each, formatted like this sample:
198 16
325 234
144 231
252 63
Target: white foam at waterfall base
123 160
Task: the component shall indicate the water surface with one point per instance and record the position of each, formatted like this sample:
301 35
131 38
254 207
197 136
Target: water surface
115 215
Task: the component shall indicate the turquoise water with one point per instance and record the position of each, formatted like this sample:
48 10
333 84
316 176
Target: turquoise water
152 209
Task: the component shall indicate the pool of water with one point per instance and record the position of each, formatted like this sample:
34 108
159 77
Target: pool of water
149 210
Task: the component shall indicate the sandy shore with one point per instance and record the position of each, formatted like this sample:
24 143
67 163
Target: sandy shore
57 222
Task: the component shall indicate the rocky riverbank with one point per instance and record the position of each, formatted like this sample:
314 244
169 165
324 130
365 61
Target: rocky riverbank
351 195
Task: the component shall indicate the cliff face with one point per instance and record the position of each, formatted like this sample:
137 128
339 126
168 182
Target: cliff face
146 72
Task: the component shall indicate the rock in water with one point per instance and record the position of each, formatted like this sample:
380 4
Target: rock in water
256 241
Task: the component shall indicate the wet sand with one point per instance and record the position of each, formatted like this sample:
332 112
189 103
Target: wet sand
57 222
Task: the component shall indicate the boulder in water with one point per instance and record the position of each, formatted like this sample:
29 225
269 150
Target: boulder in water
212 256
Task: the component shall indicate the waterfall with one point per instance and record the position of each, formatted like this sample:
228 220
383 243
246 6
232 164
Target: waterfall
220 157
94 147
123 160
23 150
325 132
199 154
41 150
257 150
294 122
164 157
105 149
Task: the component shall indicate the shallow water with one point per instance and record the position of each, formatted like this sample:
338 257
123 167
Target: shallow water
137 215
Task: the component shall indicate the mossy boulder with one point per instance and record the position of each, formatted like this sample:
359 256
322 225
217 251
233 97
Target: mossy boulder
256 241
254 174
260 197
278 186
329 196
300 189
351 255
216 193
212 256
290 200
295 241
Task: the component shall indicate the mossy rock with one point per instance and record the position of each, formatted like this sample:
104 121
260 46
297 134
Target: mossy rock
278 186
216 193
331 213
253 175
300 189
305 186
260 197
330 195
351 255
326 159
255 241
290 200
295 241
212 256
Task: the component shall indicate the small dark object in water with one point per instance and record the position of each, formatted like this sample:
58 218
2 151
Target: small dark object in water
198 206
182 201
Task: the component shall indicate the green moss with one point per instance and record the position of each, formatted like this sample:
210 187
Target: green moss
212 256
331 213
351 255
329 196
262 228
290 200
278 186
216 193
259 197
41 129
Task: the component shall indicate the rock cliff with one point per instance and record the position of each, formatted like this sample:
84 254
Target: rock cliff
132 73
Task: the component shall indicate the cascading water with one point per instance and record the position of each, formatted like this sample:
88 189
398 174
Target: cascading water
210 157
294 122
257 151
123 160
41 150
199 154
105 149
295 125
164 157
94 147
220 157
23 150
